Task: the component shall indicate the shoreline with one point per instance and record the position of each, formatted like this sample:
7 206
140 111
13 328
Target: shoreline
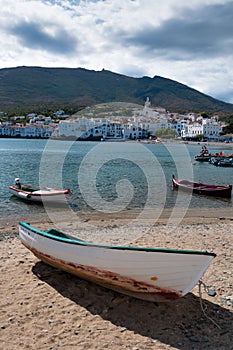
187 215
99 139
97 226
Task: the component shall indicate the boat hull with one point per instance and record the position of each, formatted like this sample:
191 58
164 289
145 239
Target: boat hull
203 189
227 163
144 273
41 196
202 158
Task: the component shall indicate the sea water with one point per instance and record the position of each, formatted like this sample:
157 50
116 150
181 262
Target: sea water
109 175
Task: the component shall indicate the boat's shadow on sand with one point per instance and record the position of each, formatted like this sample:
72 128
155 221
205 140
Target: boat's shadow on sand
180 323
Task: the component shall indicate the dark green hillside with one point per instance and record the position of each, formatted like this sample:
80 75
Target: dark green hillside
73 87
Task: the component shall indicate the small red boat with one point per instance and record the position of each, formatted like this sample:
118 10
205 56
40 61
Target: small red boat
199 188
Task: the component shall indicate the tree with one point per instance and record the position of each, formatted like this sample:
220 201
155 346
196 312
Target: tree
228 129
166 133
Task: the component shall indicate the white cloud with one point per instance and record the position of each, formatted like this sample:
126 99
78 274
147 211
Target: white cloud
189 42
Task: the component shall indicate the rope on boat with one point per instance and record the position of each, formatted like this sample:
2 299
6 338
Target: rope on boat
202 305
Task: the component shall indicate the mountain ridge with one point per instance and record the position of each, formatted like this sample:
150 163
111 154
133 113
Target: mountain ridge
35 86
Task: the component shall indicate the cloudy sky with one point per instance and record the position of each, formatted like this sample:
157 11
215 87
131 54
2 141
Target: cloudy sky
187 41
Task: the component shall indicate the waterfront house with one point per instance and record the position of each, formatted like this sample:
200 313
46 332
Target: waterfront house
27 131
209 128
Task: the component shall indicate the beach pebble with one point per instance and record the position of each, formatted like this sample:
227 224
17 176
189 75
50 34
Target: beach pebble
229 297
223 331
193 339
211 292
205 339
123 329
196 340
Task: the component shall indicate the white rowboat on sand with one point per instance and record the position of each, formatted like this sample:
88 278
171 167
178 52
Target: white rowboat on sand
153 274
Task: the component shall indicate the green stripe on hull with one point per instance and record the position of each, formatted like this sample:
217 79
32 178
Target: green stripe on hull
62 237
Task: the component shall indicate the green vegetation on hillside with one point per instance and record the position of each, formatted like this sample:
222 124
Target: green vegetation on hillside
37 89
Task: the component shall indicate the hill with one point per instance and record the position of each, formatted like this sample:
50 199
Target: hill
37 86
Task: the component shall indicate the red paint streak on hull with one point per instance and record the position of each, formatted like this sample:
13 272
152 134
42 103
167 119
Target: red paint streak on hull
111 280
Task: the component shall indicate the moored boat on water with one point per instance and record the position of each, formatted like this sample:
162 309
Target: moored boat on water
213 158
153 274
204 155
225 162
38 194
203 158
204 189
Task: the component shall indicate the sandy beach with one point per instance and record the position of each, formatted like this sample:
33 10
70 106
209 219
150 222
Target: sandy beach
45 308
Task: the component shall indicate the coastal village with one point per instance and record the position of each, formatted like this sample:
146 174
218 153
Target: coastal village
143 123
121 275
116 168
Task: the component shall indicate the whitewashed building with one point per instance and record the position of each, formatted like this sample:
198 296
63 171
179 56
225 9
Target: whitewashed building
209 128
76 127
133 131
179 125
27 131
97 128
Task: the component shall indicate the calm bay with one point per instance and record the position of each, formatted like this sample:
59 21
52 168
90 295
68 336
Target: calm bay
118 175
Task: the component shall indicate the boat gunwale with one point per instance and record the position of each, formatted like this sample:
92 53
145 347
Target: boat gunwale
73 240
34 192
201 186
